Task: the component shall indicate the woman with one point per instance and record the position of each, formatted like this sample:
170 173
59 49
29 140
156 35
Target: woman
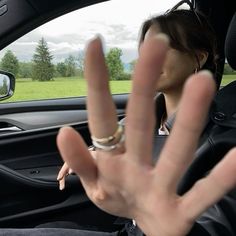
192 48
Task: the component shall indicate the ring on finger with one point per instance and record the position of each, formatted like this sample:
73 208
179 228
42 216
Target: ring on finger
112 142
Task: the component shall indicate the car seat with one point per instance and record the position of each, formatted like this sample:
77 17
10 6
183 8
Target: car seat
230 43
221 130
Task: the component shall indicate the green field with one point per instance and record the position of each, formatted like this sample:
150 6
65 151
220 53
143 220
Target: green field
26 89
227 79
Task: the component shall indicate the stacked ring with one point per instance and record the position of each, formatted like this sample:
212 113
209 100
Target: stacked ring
111 142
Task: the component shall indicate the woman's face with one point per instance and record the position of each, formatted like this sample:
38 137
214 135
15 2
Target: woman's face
177 67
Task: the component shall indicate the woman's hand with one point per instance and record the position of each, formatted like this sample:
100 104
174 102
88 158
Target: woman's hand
123 181
61 177
65 171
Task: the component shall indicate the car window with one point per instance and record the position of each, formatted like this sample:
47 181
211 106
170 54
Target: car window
229 75
48 61
62 42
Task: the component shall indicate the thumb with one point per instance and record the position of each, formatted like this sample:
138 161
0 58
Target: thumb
75 153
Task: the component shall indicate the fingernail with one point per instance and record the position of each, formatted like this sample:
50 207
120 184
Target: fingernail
65 129
97 40
61 186
100 38
163 37
61 129
206 73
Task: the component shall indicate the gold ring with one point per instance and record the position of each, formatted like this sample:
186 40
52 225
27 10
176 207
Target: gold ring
113 139
112 142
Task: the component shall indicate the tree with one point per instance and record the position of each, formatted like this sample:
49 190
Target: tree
228 70
10 63
25 69
4 88
80 64
114 63
70 63
43 68
132 65
61 69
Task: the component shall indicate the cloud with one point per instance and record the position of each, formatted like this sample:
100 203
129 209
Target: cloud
118 21
64 46
116 35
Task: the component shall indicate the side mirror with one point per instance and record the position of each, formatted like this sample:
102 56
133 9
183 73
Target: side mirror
7 85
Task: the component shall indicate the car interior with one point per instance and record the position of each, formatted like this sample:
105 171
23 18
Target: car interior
29 158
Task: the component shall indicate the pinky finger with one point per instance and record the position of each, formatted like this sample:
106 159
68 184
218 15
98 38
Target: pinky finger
211 189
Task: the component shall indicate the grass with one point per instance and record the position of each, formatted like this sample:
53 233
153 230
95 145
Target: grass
227 79
26 89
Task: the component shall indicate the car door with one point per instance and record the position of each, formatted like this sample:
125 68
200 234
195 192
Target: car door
30 161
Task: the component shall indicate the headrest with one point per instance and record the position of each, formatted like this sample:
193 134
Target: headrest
230 43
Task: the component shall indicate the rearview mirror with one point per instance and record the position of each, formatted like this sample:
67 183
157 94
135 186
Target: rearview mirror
7 85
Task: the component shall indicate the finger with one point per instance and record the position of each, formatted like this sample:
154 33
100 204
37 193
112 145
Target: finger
70 171
62 183
140 119
75 154
63 171
181 145
211 189
101 109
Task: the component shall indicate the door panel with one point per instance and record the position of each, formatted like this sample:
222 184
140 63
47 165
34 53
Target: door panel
29 163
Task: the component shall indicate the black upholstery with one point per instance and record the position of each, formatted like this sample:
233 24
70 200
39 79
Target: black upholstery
219 137
230 44
221 130
219 14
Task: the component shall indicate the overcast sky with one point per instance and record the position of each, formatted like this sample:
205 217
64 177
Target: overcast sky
117 20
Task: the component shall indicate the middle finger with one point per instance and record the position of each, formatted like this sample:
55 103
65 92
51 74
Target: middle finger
140 119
